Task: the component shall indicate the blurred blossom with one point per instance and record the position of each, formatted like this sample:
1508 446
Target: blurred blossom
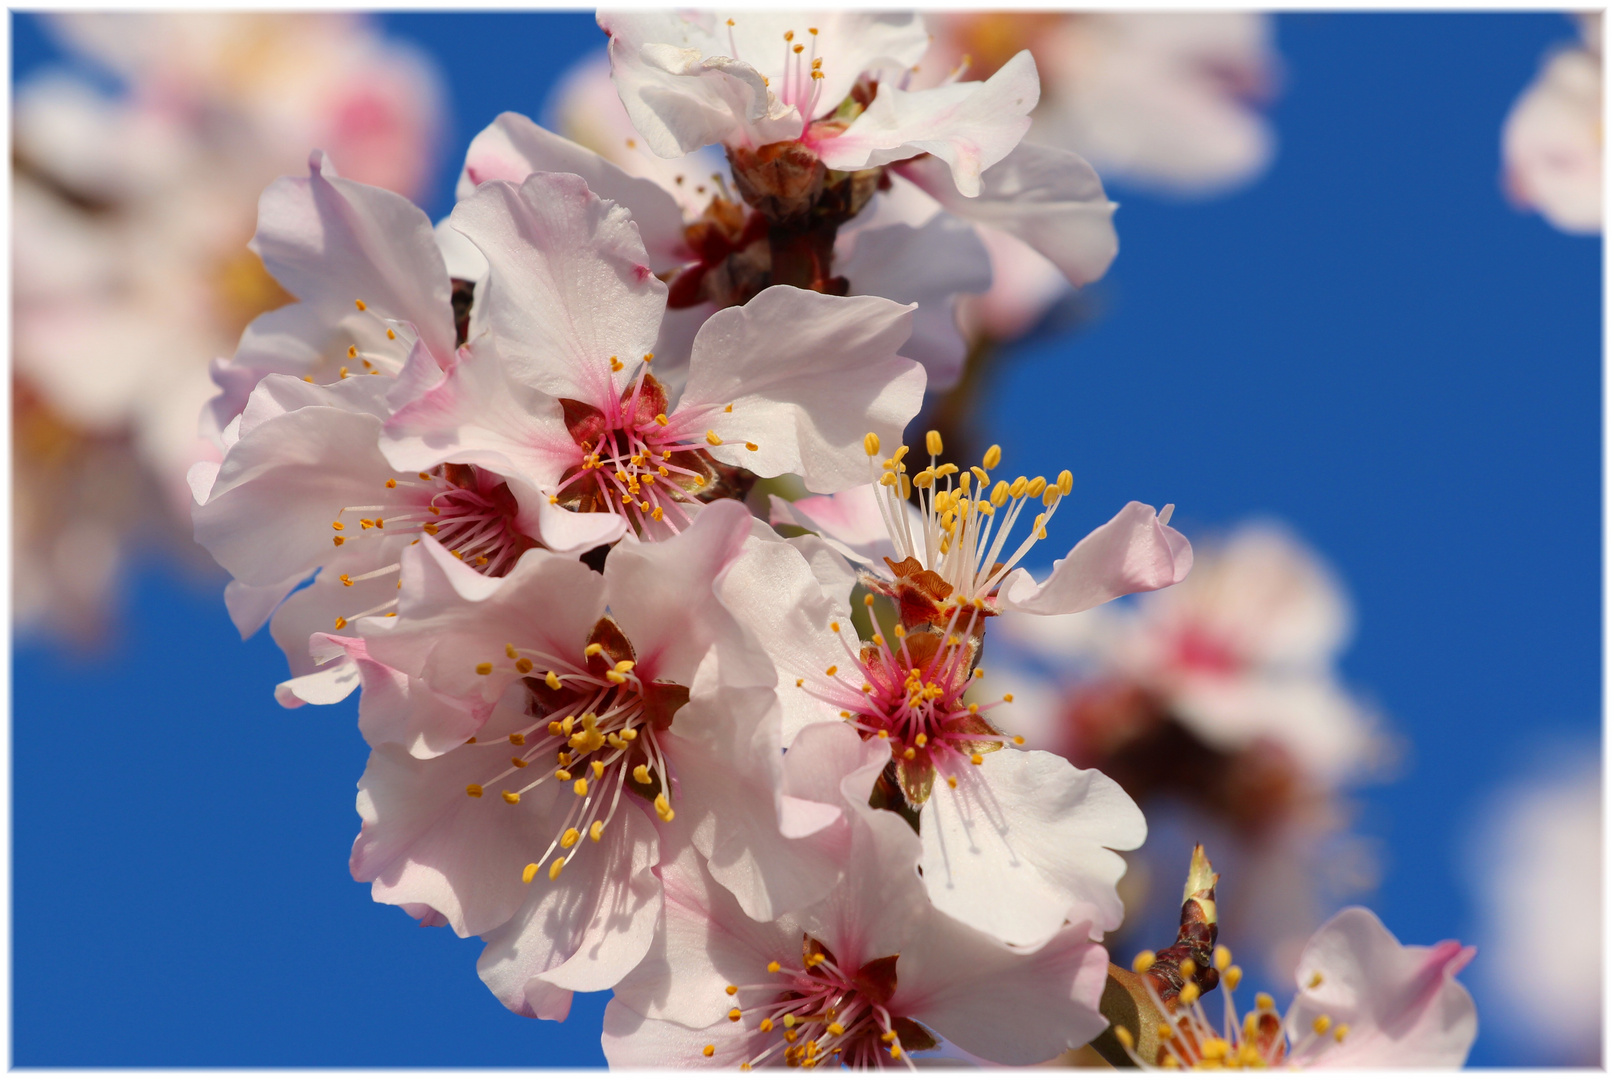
1165 102
1552 142
1536 870
1219 697
131 214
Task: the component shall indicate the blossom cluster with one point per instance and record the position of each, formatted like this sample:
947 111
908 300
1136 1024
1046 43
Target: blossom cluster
637 719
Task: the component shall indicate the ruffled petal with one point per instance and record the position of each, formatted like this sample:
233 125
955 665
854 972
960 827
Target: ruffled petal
1132 552
808 376
1022 843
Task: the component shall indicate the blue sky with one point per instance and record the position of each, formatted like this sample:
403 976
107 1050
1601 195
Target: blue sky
1368 343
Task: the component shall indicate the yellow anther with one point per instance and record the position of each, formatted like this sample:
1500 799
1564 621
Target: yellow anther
555 868
908 754
1232 976
352 353
345 580
836 1029
1000 493
975 759
1264 1002
519 763
337 540
391 483
1214 1049
580 786
570 837
751 446
341 372
474 790
595 830
889 1036
430 528
1143 961
766 1025
1341 1031
952 781
871 444
529 873
832 669
1036 486
1322 1024
1189 995
598 767
616 678
888 479
790 1020
484 669
933 442
773 967
1008 698
1065 482
921 739
1124 1037
616 365
562 775
1163 1032
1019 740
523 665
1018 488
1315 981
980 478
511 797
664 809
1188 967
391 335
923 479
1223 956
993 455
359 304
713 438
655 515
641 774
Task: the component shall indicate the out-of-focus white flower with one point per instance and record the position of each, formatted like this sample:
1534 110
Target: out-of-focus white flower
1552 142
131 213
866 977
1243 650
1535 861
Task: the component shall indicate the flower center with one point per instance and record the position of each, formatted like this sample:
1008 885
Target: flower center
956 553
594 730
912 695
471 512
822 1012
638 462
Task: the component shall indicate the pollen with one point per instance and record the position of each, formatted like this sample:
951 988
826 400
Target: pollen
570 837
709 1050
734 1015
474 790
664 809
1189 995
773 967
871 444
1264 1002
595 830
1224 956
580 786
713 438
555 868
529 873
1232 977
1321 1025
511 797
1143 961
484 669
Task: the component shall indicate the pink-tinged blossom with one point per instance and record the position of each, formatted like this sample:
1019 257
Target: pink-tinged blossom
369 278
1552 142
1014 842
1244 651
602 699
868 976
786 383
955 551
1363 1000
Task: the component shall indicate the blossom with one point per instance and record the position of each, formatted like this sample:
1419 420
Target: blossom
1552 141
1243 653
599 699
1363 1000
840 100
954 553
868 976
1013 842
130 214
1534 867
784 384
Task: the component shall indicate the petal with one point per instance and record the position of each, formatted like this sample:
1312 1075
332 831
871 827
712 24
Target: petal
969 125
569 284
585 930
850 521
513 148
665 596
1403 1004
1050 199
251 605
930 266
808 376
978 994
477 415
331 241
1132 552
1022 843
424 841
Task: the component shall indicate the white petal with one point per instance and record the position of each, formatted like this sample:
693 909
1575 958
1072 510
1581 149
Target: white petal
1050 199
513 148
1132 552
969 125
569 284
808 376
1021 844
